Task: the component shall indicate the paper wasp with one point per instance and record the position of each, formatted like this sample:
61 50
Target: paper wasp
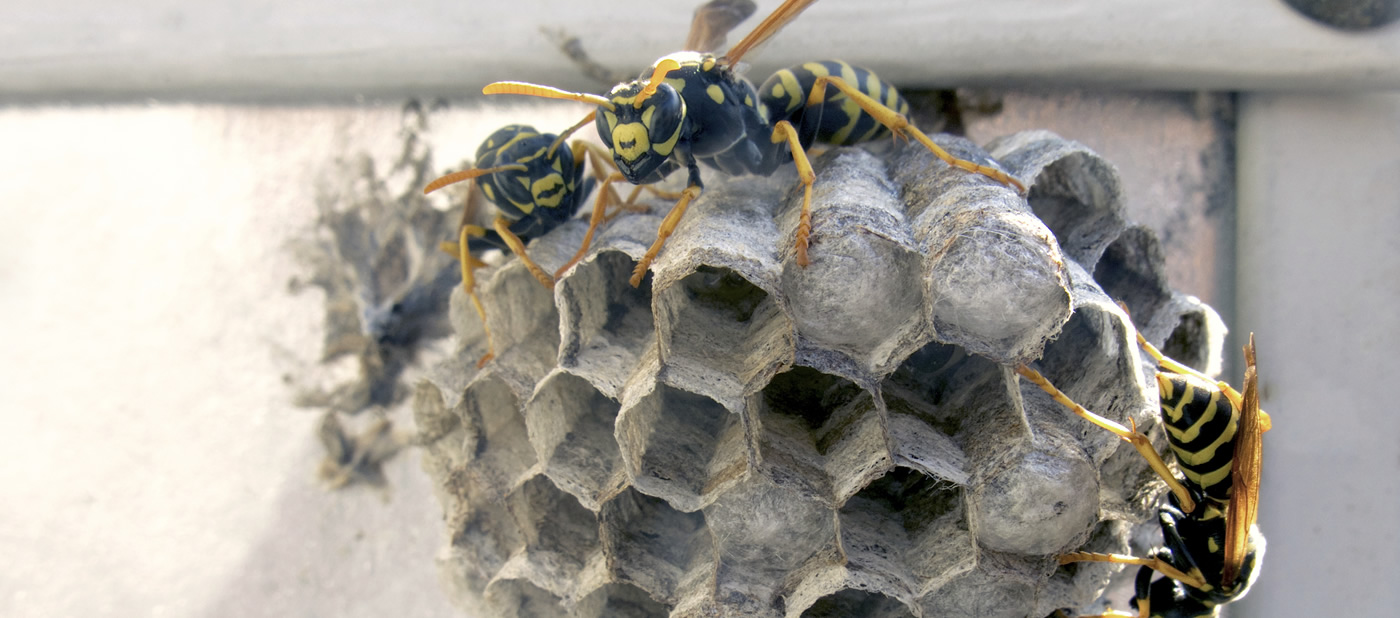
1212 546
691 108
536 183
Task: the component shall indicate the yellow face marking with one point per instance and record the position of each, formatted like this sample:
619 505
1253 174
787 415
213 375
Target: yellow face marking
611 120
664 148
716 93
1212 545
630 141
748 101
547 190
558 165
486 188
647 115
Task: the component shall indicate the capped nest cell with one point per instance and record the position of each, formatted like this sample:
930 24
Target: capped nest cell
743 436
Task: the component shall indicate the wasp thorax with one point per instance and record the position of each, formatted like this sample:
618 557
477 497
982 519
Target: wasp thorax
642 135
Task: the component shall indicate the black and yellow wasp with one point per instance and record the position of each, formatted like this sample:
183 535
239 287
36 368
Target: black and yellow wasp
536 183
692 107
1212 546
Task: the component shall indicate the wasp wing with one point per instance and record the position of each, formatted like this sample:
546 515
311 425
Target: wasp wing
1245 470
714 20
770 26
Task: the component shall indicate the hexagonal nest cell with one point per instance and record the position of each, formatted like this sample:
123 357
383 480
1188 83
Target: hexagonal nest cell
744 436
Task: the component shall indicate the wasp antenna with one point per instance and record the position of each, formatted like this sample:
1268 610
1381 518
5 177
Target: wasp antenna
547 92
570 131
456 177
662 68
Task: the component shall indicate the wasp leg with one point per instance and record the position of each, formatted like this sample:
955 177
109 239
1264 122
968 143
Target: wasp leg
600 206
668 224
1156 564
599 160
1132 436
784 131
1112 614
666 195
900 126
502 226
631 205
1144 578
469 264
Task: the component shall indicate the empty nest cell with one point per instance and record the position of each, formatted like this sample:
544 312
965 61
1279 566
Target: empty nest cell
743 436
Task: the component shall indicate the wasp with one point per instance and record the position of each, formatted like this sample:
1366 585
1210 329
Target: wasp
1212 545
536 182
692 107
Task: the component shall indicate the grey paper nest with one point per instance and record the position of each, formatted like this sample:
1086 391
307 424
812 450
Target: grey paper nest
742 436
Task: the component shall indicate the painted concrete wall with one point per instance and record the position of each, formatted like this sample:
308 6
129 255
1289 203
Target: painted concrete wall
256 51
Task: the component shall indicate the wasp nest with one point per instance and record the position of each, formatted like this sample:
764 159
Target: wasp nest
744 436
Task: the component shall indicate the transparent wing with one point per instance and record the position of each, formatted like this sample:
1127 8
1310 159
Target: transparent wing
714 20
770 26
1248 461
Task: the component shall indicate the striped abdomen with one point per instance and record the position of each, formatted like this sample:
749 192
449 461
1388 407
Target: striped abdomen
1201 424
838 120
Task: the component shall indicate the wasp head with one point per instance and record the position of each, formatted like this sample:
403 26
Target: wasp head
642 129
